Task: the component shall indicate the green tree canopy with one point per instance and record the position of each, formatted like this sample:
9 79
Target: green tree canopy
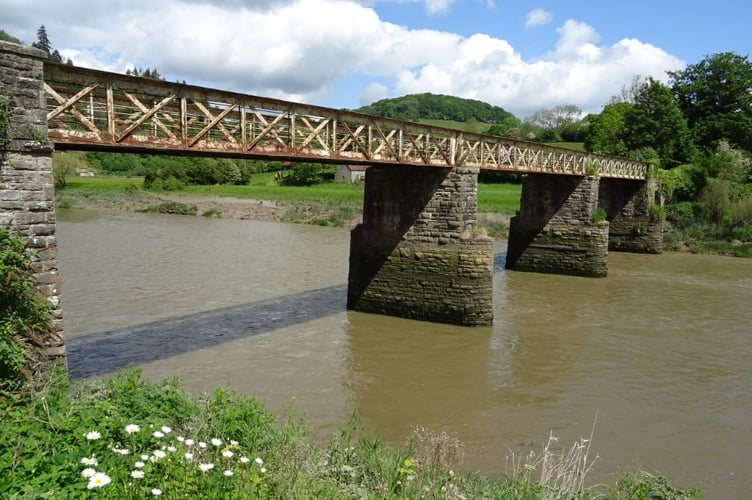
43 43
606 133
438 107
716 97
655 120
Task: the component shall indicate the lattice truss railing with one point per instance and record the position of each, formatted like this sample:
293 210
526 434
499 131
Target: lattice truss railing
90 109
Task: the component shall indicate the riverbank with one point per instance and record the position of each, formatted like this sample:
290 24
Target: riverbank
324 211
327 204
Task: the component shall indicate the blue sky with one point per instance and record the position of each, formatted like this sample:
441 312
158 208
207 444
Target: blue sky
522 56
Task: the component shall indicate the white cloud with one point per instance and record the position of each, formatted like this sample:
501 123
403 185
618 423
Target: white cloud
537 17
298 50
577 72
372 93
438 6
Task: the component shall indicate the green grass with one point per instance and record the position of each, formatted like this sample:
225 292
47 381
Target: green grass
264 187
499 198
103 184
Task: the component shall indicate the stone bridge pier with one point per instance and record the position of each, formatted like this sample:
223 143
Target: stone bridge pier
27 197
633 227
417 253
556 232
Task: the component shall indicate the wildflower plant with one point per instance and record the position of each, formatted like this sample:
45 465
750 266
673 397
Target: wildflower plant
169 465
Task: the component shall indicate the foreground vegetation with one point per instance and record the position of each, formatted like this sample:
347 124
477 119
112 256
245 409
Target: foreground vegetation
125 437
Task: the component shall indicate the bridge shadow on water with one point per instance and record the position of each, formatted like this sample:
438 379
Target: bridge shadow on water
105 352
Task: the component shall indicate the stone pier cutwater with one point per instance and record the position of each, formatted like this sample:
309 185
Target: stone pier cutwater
417 253
27 197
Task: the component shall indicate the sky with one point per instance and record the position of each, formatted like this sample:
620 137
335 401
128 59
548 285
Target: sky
523 56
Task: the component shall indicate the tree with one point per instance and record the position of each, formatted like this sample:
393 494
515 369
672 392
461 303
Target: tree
506 127
655 120
606 132
145 73
628 92
715 95
43 43
65 165
551 121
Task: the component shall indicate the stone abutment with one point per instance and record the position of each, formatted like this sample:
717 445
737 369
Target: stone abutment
27 197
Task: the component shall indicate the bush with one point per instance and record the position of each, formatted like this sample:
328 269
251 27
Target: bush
303 174
682 214
742 233
176 208
24 313
646 486
742 211
599 215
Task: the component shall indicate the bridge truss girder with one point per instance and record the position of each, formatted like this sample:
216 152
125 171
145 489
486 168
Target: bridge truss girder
90 110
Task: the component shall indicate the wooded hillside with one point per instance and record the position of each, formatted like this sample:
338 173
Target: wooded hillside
415 107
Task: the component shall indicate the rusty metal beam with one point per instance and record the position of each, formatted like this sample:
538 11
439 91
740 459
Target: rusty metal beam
126 113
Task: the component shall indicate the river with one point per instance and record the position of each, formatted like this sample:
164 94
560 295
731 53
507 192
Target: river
658 354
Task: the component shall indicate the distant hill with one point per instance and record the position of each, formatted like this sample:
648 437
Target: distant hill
430 107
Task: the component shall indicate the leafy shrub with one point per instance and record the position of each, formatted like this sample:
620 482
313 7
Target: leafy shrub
24 313
599 215
646 486
167 184
126 437
303 174
681 214
743 233
742 210
177 208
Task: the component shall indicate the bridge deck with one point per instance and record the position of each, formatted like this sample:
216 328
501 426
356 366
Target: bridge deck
90 109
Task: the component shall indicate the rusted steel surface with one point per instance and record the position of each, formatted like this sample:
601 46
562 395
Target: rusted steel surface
90 110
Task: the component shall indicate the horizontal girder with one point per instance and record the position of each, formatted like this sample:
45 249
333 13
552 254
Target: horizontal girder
90 109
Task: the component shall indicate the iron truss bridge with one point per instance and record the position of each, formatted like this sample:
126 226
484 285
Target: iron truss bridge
96 110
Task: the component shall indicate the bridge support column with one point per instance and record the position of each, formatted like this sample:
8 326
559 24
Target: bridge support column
27 197
417 254
632 226
554 231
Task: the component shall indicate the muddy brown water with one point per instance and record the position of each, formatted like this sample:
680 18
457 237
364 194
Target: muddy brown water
660 350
